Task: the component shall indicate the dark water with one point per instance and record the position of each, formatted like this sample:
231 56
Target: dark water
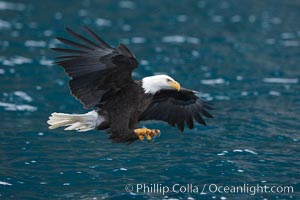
243 55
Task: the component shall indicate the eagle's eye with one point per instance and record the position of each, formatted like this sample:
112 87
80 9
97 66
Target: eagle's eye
169 80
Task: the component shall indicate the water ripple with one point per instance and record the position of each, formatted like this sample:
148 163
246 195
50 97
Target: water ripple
4 24
11 6
127 4
15 107
34 43
16 60
4 183
180 39
103 22
213 81
280 80
23 95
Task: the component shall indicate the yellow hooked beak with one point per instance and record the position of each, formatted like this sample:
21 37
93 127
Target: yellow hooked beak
175 85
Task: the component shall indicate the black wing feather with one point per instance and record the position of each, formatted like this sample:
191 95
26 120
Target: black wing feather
80 37
97 70
74 44
64 57
177 108
73 51
94 35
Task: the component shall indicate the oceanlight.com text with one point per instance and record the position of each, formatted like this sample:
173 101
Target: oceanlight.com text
158 188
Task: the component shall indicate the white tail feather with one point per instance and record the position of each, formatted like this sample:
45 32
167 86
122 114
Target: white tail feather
78 122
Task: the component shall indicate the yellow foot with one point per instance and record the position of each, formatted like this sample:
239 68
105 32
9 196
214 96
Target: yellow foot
149 133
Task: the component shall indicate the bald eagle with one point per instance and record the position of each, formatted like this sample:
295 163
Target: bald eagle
101 80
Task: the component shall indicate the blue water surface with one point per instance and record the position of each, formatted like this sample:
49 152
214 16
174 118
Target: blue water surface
244 56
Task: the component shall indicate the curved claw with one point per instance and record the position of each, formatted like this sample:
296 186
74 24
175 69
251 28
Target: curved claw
148 133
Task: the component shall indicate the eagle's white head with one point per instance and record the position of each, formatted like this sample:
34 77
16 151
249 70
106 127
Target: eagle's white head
153 84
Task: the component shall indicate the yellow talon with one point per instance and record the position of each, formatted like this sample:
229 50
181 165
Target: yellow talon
148 137
142 132
141 137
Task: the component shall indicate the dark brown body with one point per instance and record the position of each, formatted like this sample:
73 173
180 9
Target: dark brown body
123 110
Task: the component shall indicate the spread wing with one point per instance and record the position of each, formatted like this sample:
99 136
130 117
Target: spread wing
177 108
97 69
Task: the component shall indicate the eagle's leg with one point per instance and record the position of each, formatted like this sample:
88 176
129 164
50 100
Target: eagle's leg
149 133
